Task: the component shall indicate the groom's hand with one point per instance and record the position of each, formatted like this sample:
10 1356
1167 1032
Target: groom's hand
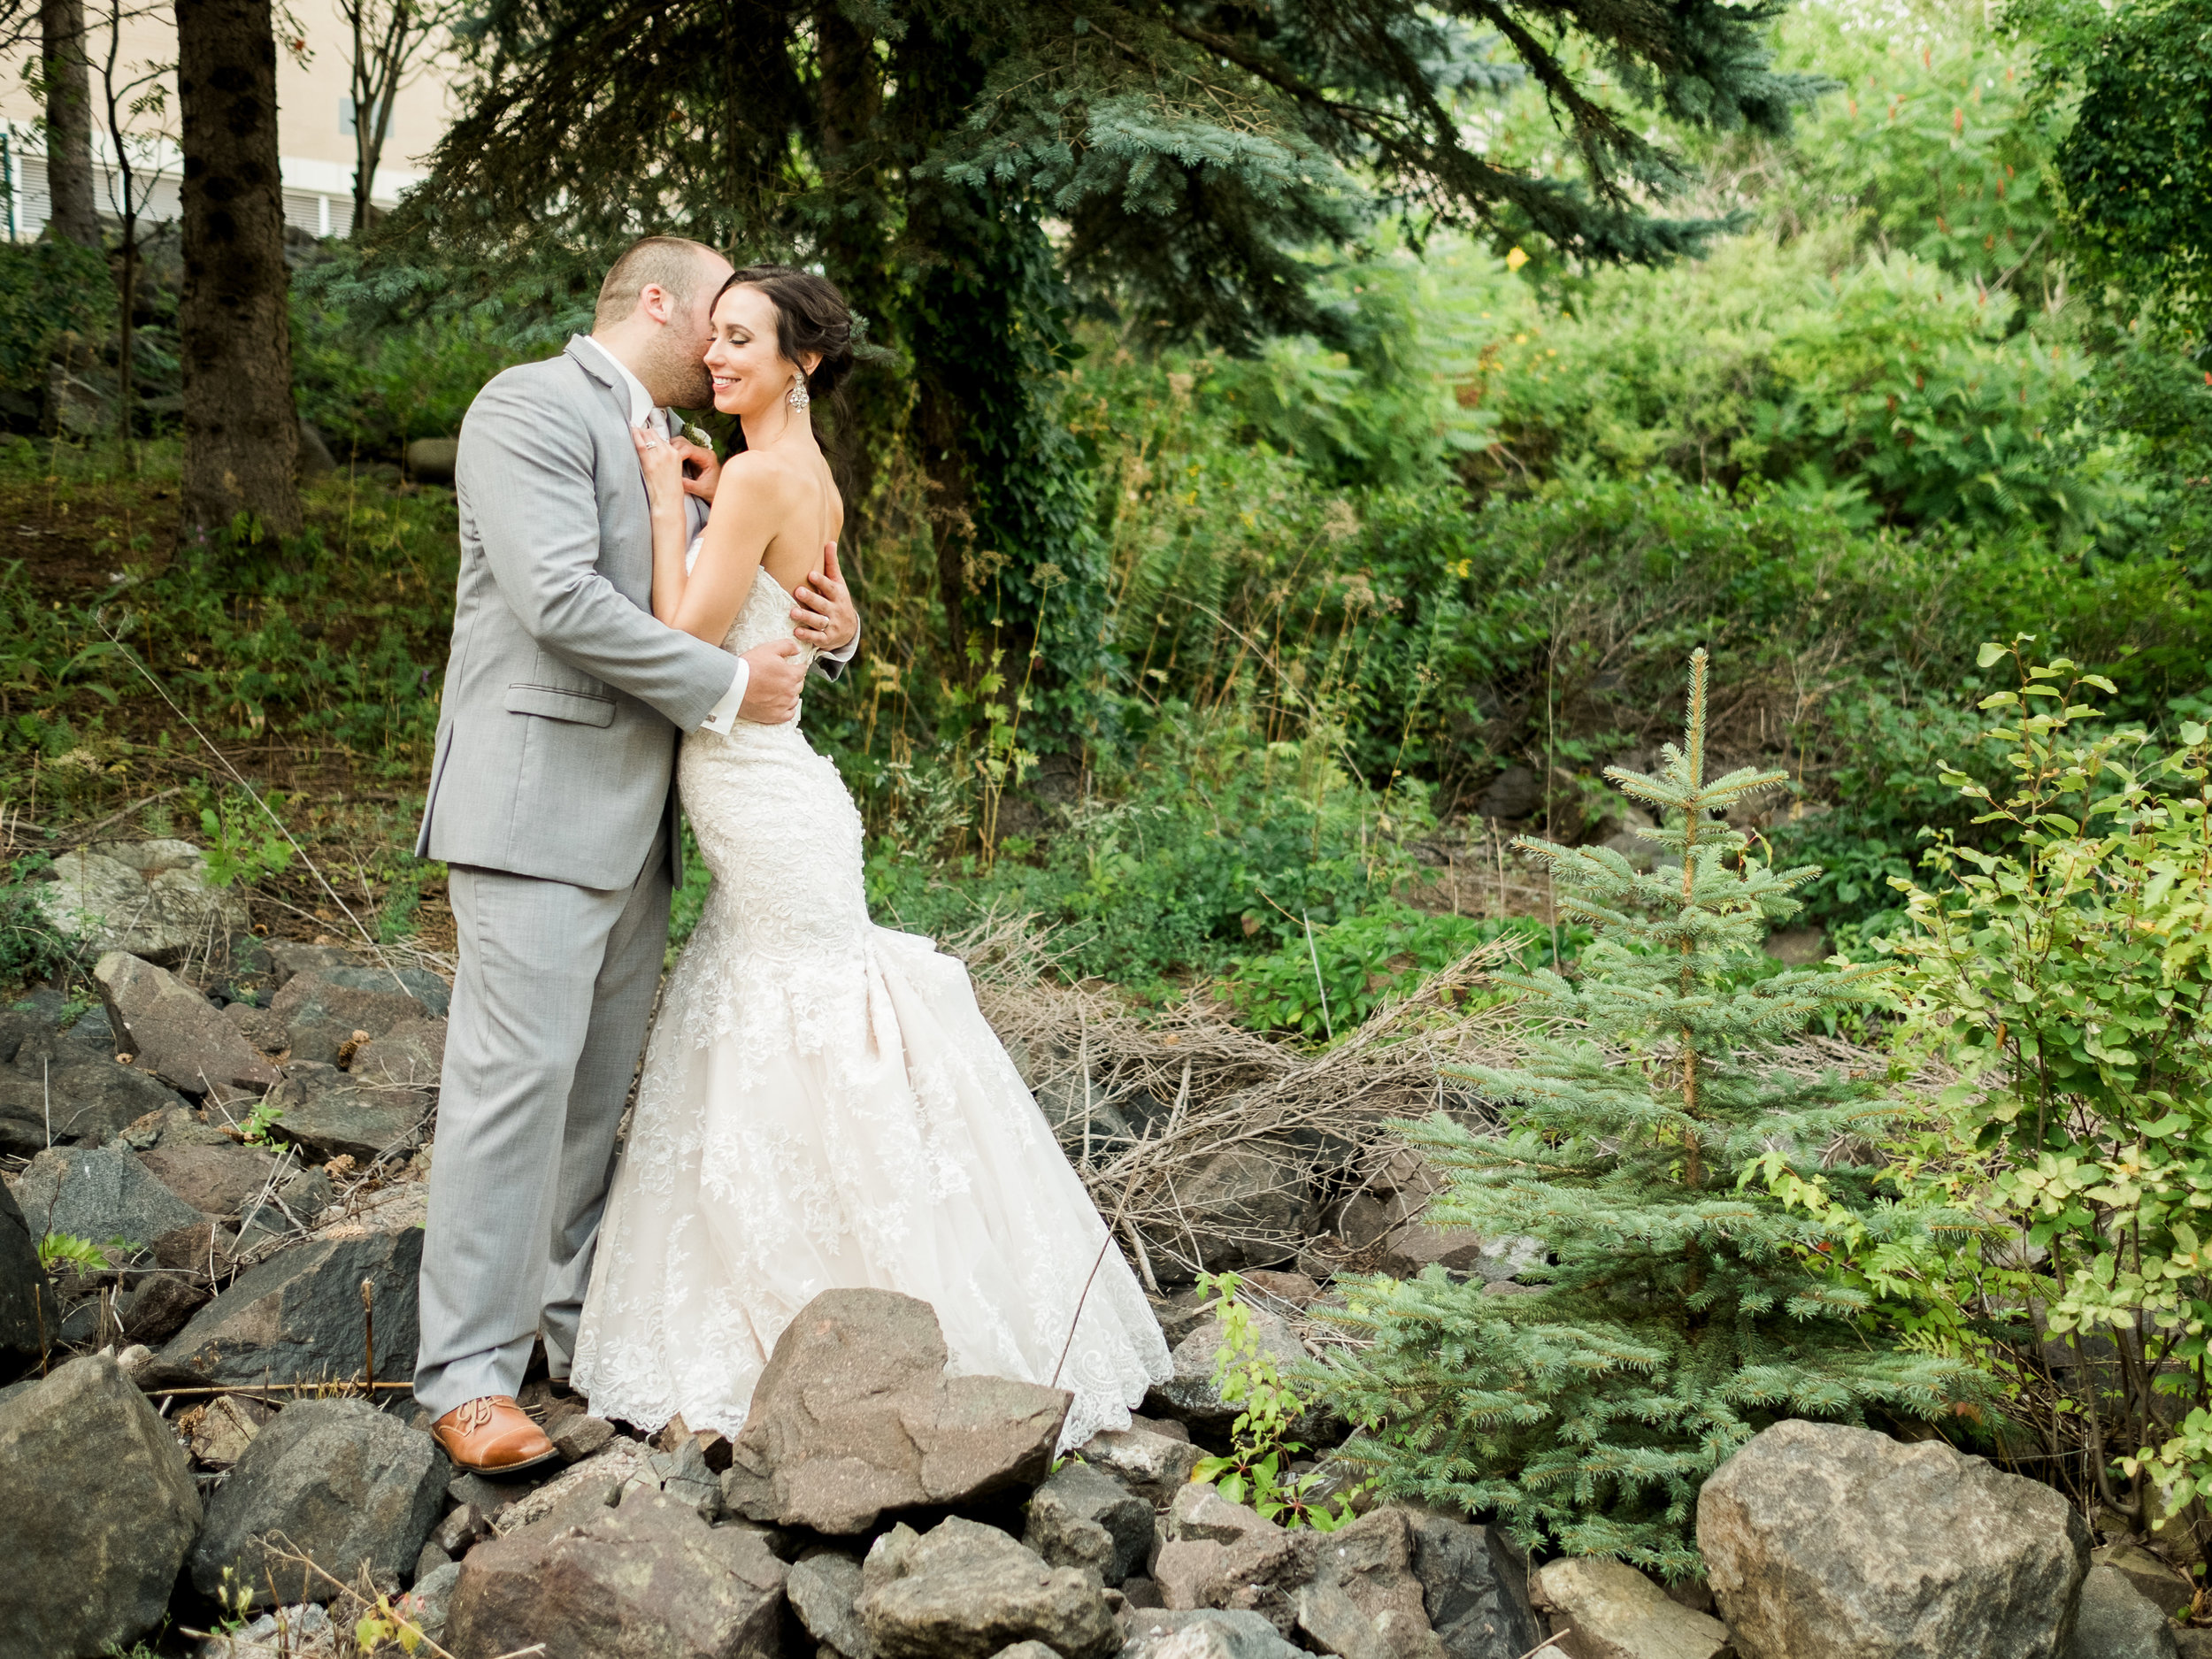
824 616
771 692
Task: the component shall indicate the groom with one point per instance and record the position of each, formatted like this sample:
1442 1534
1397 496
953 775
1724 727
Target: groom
552 800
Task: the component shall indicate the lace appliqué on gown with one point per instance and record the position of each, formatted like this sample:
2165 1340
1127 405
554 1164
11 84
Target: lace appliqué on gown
823 1105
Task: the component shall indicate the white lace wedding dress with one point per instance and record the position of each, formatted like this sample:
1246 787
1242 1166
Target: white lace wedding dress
823 1106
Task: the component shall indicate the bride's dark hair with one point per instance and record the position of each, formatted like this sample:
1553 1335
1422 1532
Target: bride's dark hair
811 316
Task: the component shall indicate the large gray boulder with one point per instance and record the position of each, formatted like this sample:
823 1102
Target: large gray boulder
175 1033
102 1194
1154 1466
66 1087
326 1114
101 1510
1836 1542
217 1178
1206 1633
1083 1518
823 1588
1474 1584
28 1314
2114 1620
322 1007
2152 1575
647 1580
1607 1610
336 1480
964 1591
149 898
411 1056
1365 1600
1191 1394
297 1316
854 1415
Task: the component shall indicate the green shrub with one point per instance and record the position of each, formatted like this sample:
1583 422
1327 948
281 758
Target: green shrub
1651 1146
48 289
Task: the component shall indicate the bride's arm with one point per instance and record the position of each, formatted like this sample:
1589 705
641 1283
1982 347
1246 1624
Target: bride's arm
752 499
663 465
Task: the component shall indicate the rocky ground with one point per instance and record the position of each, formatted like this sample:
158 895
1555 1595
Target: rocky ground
210 1430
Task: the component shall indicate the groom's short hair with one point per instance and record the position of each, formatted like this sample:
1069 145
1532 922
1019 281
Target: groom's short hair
673 263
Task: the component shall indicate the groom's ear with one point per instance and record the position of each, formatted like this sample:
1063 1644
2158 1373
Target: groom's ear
656 302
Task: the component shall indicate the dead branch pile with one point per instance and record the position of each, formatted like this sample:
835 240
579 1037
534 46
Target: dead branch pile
1208 1146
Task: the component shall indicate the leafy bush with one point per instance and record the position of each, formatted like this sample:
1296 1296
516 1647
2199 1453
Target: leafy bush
1686 1304
31 947
2070 976
48 289
1334 980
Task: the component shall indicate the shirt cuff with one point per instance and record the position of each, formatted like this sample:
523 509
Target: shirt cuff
845 652
719 717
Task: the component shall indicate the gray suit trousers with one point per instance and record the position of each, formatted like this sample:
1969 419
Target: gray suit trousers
549 1011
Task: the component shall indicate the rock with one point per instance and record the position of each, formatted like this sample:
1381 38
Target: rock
1294 1290
218 1179
1191 1394
1082 1518
220 1431
854 1415
297 1316
649 1580
1154 1466
322 1008
304 1631
1202 1512
149 898
100 1194
173 1128
259 1027
1206 1633
1416 1245
1222 1555
430 1603
323 1112
28 1312
174 1032
578 1436
596 1483
1027 1650
461 1529
1821 1539
85 1102
336 1480
964 1591
1246 1207
1514 793
2114 1620
290 957
1366 1602
2149 1574
1474 1587
102 1509
162 1305
1607 1610
822 1589
2193 1644
432 460
411 1056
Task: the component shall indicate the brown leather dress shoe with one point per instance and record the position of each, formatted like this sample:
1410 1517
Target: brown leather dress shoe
492 1436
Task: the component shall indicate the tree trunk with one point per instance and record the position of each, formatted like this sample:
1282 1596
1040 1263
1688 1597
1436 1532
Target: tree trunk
241 431
75 215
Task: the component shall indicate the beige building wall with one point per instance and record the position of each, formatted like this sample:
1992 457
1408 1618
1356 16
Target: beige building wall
312 138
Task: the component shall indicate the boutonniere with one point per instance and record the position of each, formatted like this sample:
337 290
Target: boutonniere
697 434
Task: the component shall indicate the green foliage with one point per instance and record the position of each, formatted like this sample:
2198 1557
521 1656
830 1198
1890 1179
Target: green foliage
1256 1470
369 390
2133 165
58 1249
48 291
31 947
1686 1305
257 1130
2069 976
241 841
1331 982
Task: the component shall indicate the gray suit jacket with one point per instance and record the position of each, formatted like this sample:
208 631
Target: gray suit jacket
564 697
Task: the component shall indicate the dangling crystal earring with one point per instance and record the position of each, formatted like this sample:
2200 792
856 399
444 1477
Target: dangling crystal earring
798 396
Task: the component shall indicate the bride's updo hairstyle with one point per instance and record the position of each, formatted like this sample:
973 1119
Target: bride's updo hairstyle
811 316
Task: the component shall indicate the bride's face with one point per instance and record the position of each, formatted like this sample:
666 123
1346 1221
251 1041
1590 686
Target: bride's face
750 370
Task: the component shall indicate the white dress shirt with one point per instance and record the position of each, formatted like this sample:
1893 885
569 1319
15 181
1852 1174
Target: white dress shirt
646 413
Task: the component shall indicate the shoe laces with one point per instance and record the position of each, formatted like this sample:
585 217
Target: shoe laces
473 1416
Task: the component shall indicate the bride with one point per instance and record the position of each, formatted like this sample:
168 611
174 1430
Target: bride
823 1105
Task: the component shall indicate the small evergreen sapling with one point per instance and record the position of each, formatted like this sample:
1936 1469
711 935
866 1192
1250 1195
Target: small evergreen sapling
1680 1176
